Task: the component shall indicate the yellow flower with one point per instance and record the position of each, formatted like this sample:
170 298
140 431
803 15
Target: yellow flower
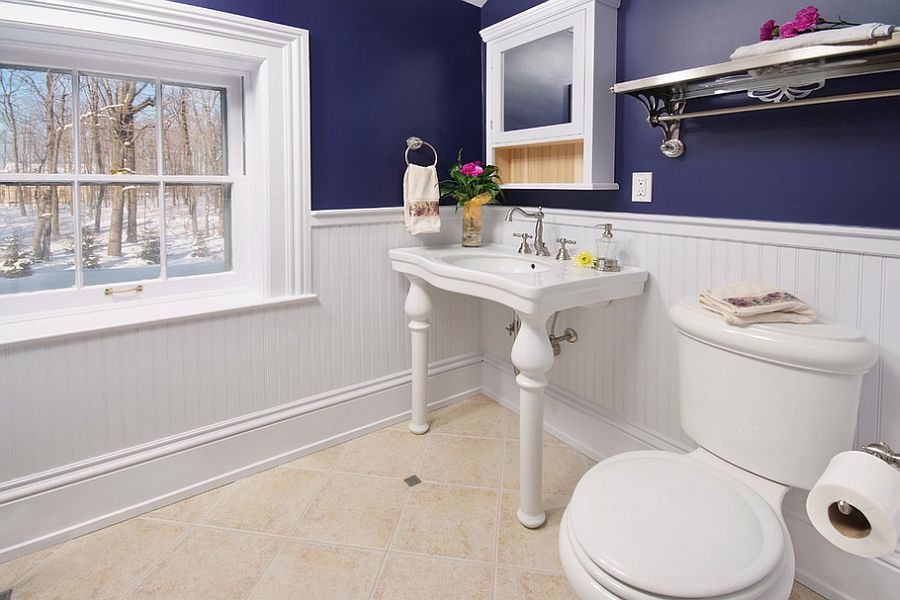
584 259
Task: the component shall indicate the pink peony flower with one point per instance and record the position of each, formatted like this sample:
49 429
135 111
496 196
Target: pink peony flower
806 19
765 32
472 169
789 30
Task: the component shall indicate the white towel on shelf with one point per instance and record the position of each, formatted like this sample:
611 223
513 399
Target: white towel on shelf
847 35
756 302
420 200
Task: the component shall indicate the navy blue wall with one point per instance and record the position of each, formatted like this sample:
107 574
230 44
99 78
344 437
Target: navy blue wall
381 71
831 164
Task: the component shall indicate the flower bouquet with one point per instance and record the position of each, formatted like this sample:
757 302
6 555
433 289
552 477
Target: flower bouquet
806 20
472 185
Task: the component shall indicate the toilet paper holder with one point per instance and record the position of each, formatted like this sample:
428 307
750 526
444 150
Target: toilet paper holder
884 452
878 450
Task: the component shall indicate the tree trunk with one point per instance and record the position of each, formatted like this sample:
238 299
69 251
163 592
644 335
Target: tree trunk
98 155
192 200
52 153
118 202
9 117
20 198
40 241
115 222
131 231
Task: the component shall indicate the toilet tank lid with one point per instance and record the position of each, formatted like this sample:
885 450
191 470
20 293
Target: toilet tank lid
820 346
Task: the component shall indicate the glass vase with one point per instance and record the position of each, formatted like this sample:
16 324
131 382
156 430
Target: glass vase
473 220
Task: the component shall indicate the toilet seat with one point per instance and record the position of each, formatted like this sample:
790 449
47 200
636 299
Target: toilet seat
638 526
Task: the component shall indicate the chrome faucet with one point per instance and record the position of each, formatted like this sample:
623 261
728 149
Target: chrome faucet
540 248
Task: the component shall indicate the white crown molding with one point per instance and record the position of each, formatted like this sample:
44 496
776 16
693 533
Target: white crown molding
478 3
168 14
536 15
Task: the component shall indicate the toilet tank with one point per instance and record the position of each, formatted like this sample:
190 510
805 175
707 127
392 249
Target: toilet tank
778 400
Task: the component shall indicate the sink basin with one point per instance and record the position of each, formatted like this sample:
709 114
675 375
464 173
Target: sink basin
500 263
529 284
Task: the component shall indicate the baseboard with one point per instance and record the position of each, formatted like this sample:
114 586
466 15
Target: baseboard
599 434
589 429
51 507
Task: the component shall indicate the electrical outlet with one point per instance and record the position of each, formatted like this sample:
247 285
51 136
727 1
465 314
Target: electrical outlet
641 187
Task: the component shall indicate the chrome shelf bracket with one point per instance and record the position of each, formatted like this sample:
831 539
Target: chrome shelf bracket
659 106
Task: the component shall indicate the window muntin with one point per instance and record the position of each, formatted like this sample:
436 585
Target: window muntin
168 139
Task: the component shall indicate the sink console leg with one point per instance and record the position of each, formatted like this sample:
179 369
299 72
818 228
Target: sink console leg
532 354
418 310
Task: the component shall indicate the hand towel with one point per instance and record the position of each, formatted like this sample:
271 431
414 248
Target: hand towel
420 200
756 302
847 35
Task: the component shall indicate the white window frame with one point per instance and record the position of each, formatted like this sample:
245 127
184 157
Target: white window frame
264 64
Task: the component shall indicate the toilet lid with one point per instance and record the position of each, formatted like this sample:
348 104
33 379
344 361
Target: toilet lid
669 525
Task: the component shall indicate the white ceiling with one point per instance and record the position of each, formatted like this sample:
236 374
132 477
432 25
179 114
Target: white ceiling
478 3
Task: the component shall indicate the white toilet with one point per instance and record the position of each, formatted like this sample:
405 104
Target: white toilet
769 406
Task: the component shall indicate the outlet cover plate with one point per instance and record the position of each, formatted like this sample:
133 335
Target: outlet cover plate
642 187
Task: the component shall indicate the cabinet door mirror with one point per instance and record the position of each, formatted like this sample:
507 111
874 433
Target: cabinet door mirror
537 82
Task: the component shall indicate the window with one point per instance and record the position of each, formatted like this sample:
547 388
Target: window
99 211
164 147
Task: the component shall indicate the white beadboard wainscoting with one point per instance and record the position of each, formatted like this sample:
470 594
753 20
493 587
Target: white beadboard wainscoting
615 389
96 428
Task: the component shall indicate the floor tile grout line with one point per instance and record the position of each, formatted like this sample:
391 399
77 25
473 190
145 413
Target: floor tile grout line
537 570
33 570
287 537
143 577
471 561
431 481
190 528
390 543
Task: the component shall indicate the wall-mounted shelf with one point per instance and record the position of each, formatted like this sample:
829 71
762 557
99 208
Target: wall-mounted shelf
779 80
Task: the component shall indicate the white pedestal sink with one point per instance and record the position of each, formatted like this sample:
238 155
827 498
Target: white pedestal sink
535 287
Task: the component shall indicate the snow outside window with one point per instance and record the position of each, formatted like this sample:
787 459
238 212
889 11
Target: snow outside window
91 195
148 145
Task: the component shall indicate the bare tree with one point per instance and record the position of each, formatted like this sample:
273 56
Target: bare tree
120 98
10 83
47 212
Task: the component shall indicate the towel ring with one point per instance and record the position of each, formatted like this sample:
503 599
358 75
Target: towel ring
414 143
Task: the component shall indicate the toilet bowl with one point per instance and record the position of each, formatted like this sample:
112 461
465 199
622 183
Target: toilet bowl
768 405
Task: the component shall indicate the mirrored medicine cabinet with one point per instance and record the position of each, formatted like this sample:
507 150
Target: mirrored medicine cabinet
551 117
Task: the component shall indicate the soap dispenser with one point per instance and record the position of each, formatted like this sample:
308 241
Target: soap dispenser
607 251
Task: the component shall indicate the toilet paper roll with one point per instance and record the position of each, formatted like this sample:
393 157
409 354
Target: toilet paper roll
855 505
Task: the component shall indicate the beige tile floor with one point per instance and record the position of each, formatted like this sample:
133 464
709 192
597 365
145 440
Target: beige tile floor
340 524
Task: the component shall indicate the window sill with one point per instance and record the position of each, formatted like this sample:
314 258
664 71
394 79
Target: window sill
58 324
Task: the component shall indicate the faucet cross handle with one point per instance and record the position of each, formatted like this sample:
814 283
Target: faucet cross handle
524 248
563 253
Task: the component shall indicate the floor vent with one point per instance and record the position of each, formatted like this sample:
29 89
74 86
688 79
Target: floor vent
410 481
6 595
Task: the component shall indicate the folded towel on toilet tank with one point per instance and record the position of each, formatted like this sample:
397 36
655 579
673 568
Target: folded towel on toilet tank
751 302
